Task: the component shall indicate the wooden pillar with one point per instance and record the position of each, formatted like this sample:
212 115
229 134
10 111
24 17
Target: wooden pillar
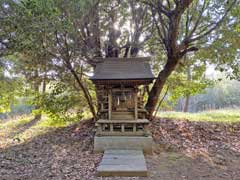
111 127
122 128
136 103
109 104
134 127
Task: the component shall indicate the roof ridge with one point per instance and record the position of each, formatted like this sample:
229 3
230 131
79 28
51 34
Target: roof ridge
125 59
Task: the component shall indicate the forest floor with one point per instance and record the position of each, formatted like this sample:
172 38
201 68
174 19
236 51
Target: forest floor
183 150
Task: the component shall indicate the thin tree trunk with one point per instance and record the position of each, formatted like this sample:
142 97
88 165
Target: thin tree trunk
158 86
85 92
42 91
189 78
186 103
96 32
159 104
36 89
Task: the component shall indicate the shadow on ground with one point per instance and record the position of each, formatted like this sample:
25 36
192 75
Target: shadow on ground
182 150
23 127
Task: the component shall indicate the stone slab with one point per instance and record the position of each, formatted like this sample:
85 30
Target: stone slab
102 143
122 163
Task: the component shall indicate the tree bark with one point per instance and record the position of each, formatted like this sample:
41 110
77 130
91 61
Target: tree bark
187 99
96 31
159 104
42 91
85 92
158 85
36 89
186 103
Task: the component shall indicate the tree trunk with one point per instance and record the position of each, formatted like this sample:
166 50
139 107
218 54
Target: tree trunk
42 91
158 85
186 103
96 32
85 92
36 89
159 104
187 99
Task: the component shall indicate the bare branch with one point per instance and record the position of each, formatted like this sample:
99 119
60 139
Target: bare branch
160 7
181 6
198 19
217 24
169 4
185 51
159 30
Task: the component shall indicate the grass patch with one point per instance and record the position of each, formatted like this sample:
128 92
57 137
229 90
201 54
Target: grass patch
16 122
48 122
223 115
24 128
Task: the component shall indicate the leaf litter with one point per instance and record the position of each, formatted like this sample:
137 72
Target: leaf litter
182 150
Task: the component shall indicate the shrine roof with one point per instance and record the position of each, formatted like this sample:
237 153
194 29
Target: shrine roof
123 69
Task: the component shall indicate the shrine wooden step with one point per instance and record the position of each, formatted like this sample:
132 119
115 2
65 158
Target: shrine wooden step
122 163
138 121
122 115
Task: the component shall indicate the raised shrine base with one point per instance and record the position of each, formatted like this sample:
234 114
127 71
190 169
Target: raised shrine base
102 143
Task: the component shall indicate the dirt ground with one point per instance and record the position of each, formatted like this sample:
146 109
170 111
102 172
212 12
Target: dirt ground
183 150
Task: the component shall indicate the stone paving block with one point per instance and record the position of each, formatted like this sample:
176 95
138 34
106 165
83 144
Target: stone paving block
122 163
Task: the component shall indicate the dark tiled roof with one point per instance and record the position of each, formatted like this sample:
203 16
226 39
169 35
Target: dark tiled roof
123 68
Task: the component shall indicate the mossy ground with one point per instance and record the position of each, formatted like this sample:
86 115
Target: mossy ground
223 115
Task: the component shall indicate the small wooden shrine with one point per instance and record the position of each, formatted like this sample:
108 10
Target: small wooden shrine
120 87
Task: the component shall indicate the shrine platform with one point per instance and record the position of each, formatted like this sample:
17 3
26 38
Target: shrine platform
142 143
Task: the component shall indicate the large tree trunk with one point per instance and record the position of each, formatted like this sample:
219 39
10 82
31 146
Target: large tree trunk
158 85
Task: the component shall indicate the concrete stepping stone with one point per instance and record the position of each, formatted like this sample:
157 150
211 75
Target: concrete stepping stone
122 163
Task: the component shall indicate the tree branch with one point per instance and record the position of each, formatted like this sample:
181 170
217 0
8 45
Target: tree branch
217 24
160 7
198 19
